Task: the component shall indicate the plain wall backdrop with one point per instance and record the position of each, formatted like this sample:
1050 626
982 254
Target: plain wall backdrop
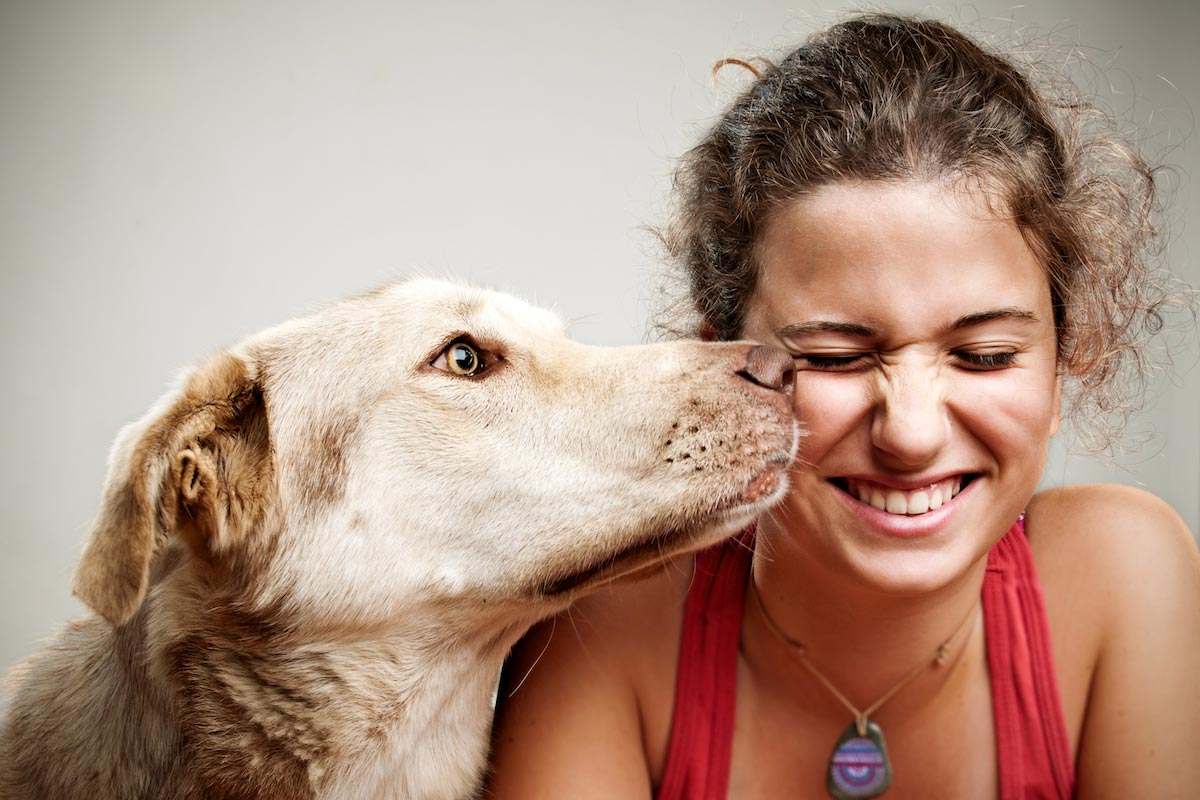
175 175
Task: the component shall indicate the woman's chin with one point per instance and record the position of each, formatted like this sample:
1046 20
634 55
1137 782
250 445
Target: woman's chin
914 572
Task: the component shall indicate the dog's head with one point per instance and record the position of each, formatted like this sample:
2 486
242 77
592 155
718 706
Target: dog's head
438 442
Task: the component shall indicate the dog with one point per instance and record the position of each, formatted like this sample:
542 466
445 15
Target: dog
312 556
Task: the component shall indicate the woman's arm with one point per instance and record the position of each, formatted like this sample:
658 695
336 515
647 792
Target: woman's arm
570 720
1123 561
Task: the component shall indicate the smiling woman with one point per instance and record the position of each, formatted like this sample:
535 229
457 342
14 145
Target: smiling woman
946 256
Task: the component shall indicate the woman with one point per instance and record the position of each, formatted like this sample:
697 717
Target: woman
940 252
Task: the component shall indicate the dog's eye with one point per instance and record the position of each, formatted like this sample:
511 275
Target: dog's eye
460 358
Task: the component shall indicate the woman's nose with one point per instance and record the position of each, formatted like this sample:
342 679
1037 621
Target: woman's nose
911 422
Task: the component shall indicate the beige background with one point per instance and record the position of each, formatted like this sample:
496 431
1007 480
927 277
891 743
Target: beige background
174 175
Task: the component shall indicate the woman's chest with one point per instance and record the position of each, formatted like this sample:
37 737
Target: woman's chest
943 748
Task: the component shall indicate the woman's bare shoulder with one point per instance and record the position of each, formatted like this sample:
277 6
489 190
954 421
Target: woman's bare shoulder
1093 534
584 705
1120 572
1105 554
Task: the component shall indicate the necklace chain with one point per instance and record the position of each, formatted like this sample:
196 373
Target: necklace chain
860 717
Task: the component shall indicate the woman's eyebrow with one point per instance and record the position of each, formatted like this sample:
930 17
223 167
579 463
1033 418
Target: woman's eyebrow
826 326
981 317
858 329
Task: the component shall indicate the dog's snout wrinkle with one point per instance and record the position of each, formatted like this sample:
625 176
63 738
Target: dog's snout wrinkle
770 368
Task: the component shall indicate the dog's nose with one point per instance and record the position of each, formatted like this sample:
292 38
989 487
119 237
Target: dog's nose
770 367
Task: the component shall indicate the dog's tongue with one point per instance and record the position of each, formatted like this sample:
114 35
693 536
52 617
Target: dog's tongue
764 484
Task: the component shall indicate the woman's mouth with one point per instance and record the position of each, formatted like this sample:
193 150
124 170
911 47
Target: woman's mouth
904 502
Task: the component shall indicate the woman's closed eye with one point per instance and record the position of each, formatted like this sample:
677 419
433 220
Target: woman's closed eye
849 362
986 361
832 362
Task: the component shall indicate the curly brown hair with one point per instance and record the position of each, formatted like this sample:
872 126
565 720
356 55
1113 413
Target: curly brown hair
879 97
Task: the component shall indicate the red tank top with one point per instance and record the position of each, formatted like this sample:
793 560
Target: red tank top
1033 754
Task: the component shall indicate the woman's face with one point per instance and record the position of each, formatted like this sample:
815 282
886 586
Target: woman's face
923 334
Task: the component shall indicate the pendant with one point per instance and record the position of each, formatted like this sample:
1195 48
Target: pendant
859 767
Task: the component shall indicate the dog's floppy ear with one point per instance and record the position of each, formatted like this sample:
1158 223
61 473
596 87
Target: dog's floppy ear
199 463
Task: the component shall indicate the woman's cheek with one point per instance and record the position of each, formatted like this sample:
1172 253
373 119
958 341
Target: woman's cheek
827 405
1014 405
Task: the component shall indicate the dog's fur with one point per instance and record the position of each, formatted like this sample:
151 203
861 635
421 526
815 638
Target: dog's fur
311 559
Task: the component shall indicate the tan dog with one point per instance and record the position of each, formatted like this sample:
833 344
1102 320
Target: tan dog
312 558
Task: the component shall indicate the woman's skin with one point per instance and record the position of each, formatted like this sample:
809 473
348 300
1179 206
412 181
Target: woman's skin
925 348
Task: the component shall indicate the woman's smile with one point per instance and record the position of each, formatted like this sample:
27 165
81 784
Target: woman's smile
898 500
896 512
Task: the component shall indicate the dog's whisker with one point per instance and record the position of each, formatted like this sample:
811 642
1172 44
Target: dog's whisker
675 565
743 545
545 647
571 612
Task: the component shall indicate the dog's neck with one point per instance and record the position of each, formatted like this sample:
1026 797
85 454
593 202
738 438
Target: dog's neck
201 694
313 715
104 723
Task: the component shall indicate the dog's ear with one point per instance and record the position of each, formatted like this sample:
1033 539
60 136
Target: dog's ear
198 464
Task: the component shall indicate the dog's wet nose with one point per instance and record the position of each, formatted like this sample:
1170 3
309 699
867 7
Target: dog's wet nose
771 368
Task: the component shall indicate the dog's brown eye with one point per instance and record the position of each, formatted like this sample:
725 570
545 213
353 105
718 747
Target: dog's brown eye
460 358
463 359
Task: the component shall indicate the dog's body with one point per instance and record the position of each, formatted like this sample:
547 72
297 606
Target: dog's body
312 558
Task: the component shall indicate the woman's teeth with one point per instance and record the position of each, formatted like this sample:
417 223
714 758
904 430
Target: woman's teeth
917 501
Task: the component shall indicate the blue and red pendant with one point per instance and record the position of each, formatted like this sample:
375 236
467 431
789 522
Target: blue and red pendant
859 767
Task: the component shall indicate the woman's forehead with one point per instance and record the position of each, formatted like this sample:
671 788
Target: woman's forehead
879 252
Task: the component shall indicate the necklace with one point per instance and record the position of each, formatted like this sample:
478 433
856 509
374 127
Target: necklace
859 767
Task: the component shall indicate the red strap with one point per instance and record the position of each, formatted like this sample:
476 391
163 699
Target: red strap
699 754
1033 752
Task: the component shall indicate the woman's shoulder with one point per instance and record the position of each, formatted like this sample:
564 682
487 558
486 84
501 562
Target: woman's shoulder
1120 574
1098 532
584 705
1106 555
629 631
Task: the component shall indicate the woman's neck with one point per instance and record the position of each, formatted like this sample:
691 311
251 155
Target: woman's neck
863 640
